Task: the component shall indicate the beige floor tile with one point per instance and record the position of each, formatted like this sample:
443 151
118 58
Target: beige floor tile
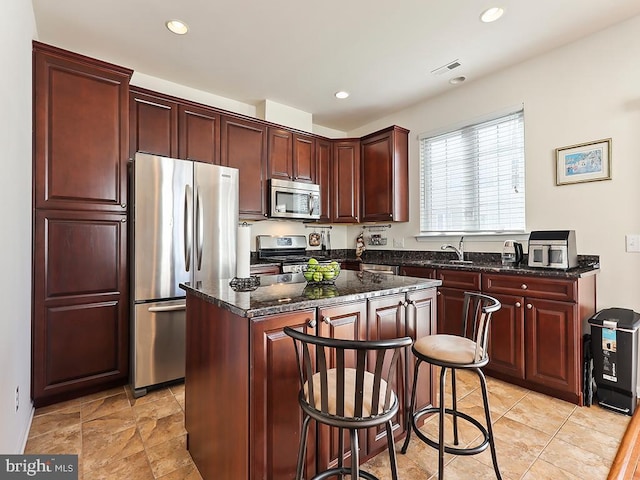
110 423
188 472
55 420
104 406
541 470
467 432
152 396
56 407
466 468
155 431
100 449
133 467
66 440
162 407
601 420
580 462
381 467
169 456
589 439
542 412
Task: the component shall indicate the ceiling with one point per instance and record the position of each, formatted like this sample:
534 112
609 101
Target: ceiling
299 53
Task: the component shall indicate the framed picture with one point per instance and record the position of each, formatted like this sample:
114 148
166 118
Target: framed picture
586 162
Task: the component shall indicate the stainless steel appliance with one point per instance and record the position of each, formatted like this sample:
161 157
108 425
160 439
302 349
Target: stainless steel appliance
376 268
553 249
512 253
290 251
185 219
294 200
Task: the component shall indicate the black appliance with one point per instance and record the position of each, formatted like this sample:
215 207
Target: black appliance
614 346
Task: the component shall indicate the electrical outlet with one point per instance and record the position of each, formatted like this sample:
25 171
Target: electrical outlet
398 242
17 398
632 243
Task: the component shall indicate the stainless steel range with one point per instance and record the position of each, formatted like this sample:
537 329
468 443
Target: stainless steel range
288 250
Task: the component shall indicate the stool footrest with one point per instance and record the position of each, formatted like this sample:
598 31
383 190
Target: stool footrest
333 472
448 449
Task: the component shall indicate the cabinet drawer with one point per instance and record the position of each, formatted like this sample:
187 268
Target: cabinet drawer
420 272
539 287
459 279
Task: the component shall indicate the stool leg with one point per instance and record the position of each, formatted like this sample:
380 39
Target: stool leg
443 376
392 451
355 455
410 420
454 402
302 451
341 449
487 413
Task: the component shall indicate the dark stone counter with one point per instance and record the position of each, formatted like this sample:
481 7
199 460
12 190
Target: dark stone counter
290 292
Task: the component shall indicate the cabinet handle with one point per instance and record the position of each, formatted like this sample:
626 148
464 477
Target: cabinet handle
524 286
312 323
518 305
438 293
529 306
326 320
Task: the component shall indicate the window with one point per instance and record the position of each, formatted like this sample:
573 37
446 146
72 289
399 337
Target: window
472 179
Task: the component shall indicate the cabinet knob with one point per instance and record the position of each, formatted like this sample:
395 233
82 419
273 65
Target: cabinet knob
524 286
312 323
326 320
123 205
529 306
518 305
123 220
404 304
438 293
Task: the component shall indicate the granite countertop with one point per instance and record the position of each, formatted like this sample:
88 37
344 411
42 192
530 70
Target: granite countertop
290 292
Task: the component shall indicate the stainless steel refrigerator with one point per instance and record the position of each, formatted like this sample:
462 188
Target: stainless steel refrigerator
185 219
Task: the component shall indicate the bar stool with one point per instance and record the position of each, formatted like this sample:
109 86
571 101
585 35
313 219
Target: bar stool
466 352
335 394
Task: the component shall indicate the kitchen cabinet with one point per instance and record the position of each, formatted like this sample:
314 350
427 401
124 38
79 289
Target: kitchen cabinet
198 134
276 417
550 312
244 146
291 155
324 152
345 197
420 272
384 176
153 120
451 298
80 131
80 300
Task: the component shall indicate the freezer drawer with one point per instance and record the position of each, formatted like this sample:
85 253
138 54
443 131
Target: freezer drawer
158 341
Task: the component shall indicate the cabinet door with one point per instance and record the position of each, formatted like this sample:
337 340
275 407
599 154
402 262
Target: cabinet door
348 322
552 345
323 177
244 146
345 199
384 176
421 321
199 134
276 416
506 338
80 133
280 151
80 318
154 124
385 320
420 272
304 158
450 305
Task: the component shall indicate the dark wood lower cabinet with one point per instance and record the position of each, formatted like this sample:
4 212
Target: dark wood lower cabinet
80 327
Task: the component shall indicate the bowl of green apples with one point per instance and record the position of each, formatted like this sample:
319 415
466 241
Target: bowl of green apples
317 273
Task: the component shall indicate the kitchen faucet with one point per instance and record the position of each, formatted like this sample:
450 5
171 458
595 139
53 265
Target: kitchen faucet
459 250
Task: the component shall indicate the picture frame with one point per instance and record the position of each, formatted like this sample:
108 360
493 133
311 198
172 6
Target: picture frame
584 162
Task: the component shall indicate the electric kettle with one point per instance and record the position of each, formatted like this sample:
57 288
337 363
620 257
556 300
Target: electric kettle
512 253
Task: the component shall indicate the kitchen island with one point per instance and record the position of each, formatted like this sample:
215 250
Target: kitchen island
241 384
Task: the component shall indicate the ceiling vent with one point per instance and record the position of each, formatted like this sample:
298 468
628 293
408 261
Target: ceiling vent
446 68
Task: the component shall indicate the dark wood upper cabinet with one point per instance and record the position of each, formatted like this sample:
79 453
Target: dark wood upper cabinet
80 131
154 124
280 153
324 151
244 146
384 176
304 158
198 134
345 198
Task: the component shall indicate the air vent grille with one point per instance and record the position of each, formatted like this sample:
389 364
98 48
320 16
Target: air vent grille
446 68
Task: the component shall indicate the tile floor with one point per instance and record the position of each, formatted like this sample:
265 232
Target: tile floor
538 437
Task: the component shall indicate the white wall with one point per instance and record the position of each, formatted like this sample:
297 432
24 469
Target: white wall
15 241
585 91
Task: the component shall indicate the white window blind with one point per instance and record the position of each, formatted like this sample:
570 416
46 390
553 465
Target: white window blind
472 179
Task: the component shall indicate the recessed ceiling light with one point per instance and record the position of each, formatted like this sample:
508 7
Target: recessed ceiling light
491 14
457 80
177 26
342 94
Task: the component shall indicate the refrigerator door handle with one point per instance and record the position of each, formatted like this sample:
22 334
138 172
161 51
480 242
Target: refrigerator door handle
188 227
199 230
169 308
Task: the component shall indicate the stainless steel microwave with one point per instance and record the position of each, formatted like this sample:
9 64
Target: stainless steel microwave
294 200
553 249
